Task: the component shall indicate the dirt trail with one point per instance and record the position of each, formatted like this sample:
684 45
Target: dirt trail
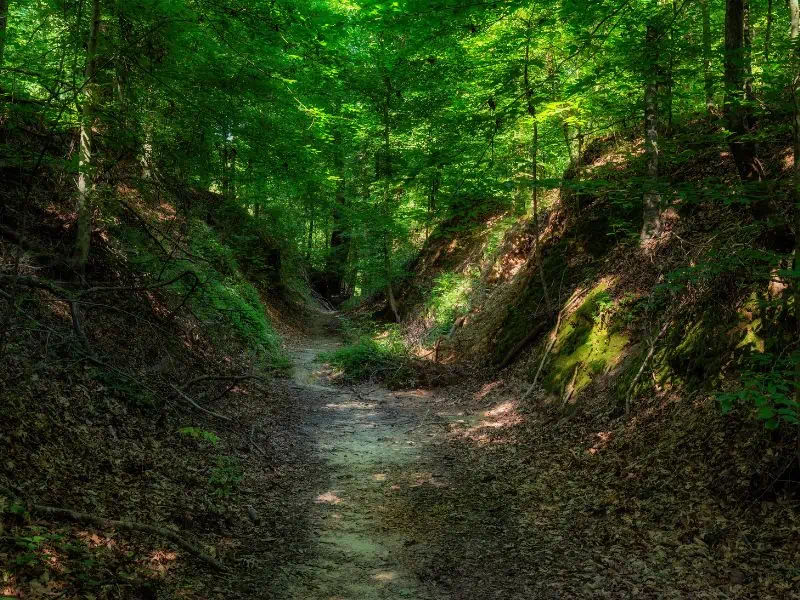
365 440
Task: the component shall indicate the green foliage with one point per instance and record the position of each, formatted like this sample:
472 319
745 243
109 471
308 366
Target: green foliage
215 290
767 388
449 298
226 476
382 355
199 434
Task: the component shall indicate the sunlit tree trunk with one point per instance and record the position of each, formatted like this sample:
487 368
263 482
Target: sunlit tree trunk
737 91
310 242
651 222
3 28
708 77
85 158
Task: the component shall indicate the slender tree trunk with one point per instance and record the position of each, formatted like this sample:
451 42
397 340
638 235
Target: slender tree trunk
432 193
340 239
310 243
708 77
534 171
651 221
535 209
85 159
794 10
768 32
146 156
737 91
387 168
4 5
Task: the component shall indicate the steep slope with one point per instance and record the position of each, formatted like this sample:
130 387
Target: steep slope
601 433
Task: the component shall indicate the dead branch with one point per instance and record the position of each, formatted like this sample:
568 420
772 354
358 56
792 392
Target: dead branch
201 378
188 399
647 358
103 523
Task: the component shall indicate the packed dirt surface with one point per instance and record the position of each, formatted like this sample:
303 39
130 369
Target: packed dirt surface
367 441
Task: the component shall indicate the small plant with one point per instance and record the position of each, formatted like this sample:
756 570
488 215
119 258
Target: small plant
199 434
767 386
225 477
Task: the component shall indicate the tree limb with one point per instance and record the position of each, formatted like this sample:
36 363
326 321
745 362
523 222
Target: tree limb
188 399
103 523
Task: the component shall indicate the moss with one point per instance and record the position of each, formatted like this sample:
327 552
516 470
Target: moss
587 341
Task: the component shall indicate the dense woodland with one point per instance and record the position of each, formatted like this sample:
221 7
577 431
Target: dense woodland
558 238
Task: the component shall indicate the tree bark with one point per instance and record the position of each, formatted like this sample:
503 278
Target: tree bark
651 210
708 78
768 32
794 34
85 159
737 91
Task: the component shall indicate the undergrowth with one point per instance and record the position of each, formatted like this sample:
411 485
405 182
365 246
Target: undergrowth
373 354
214 290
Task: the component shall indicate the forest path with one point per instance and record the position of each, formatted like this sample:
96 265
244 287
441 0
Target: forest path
367 444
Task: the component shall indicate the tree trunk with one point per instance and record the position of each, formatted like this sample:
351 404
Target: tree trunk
534 170
85 159
794 10
387 172
737 91
768 32
3 27
651 213
310 244
340 239
708 78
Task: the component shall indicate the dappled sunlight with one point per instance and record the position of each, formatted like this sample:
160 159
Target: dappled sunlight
488 388
94 540
161 561
484 429
8 589
352 405
328 498
428 478
602 440
416 393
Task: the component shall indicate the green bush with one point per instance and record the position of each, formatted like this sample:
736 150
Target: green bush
383 356
449 299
